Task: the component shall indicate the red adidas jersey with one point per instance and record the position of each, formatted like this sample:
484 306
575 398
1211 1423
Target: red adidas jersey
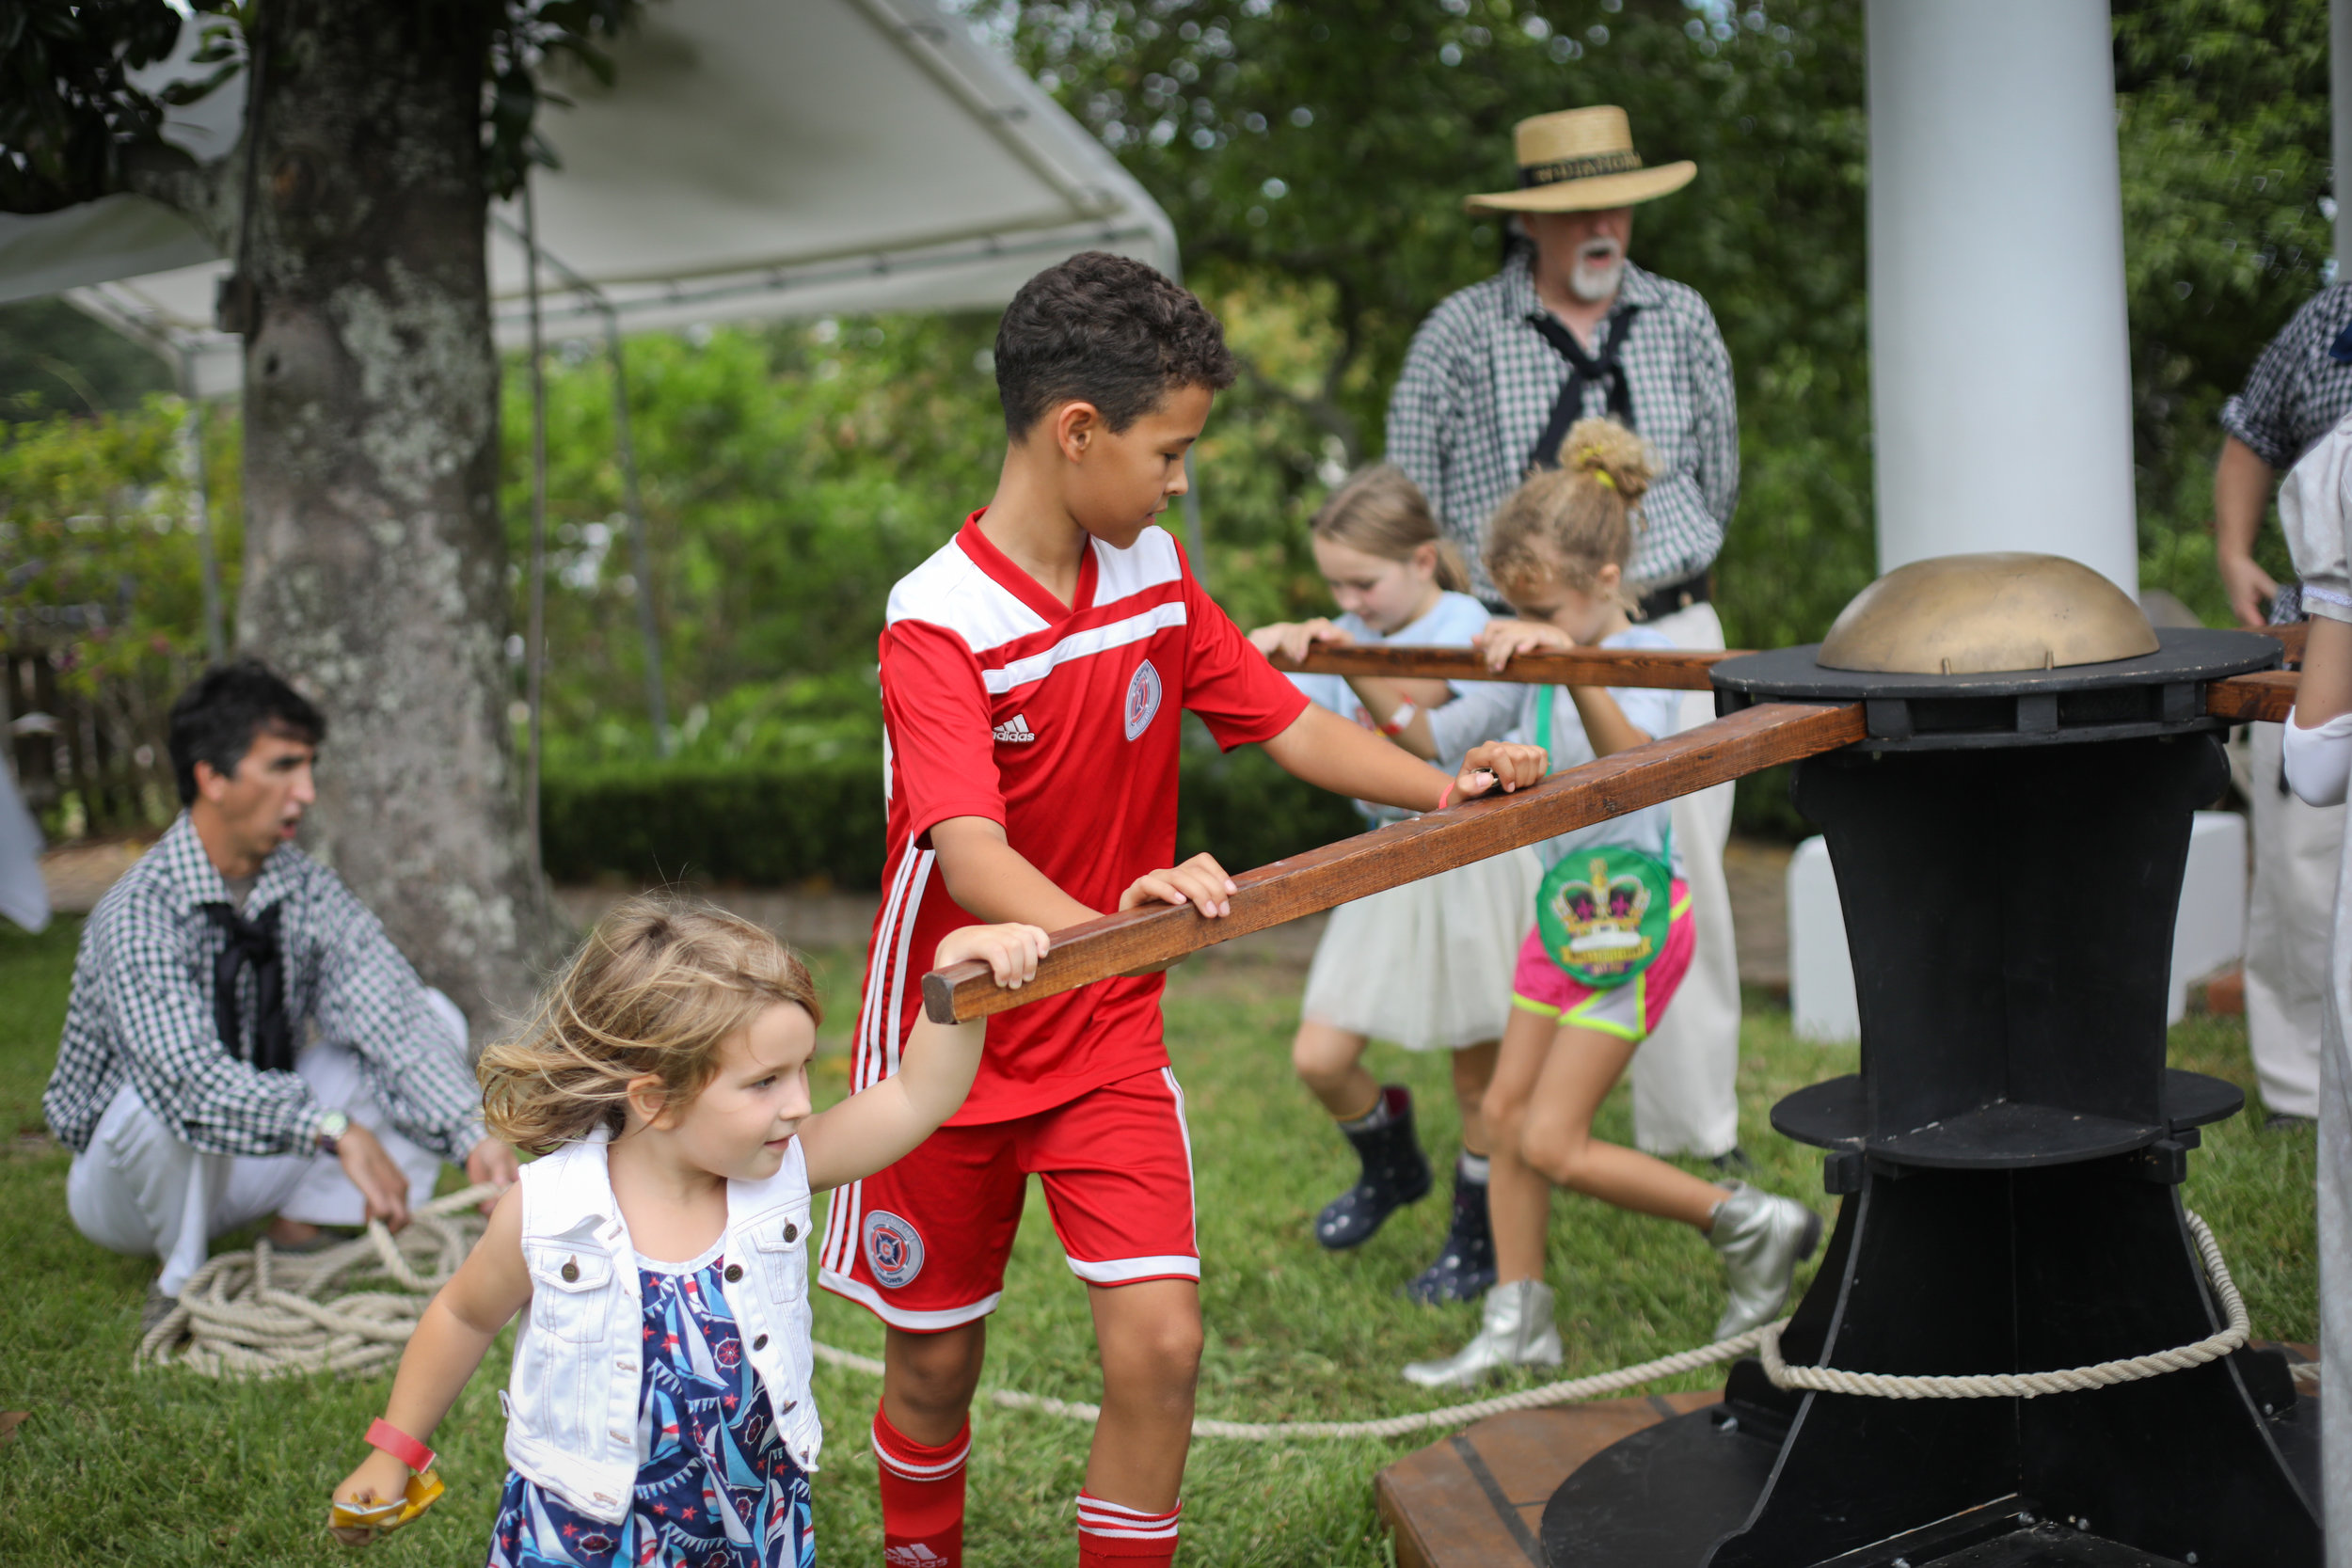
1061 723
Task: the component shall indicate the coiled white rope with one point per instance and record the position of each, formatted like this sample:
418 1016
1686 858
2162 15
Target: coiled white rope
259 1314
262 1314
2026 1386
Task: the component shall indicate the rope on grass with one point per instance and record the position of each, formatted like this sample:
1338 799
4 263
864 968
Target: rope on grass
263 1314
1393 1426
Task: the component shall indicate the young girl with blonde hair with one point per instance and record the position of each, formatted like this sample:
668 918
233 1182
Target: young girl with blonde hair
1613 934
1427 964
658 1411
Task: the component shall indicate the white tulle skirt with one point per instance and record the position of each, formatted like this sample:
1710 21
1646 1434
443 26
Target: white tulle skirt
1427 965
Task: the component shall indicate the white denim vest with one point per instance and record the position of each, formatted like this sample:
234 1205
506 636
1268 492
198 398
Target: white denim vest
571 1405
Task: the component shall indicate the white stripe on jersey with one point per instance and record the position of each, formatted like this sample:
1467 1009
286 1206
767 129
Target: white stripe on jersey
1150 560
1078 645
842 1215
898 963
862 1065
1183 1131
951 590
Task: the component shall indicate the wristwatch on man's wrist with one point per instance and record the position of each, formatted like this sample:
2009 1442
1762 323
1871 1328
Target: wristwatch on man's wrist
331 1128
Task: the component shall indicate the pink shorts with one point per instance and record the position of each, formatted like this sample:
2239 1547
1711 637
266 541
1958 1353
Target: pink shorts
922 1244
1628 1011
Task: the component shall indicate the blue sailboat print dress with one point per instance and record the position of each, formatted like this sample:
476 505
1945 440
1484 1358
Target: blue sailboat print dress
716 1488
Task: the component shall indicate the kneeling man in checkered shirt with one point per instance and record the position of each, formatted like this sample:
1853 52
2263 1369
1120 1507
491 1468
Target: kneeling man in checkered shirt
243 1039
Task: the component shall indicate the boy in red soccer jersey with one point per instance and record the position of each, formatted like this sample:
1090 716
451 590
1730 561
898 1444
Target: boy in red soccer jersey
1033 675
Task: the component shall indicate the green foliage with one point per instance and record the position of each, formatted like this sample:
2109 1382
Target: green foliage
1287 164
54 359
731 823
791 476
2223 127
775 817
98 539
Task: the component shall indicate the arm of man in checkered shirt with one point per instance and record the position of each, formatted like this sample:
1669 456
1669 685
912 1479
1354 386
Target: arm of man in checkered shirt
369 999
1700 490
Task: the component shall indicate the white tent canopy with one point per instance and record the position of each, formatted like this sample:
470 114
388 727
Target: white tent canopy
752 158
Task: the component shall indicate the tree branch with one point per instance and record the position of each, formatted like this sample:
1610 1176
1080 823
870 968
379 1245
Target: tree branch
205 194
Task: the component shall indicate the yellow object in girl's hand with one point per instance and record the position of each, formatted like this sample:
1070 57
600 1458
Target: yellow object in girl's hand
357 1524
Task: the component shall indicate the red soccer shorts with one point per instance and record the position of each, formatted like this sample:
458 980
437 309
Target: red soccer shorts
923 1244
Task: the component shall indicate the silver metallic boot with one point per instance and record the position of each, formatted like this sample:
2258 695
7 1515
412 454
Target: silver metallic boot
1516 1331
1763 1237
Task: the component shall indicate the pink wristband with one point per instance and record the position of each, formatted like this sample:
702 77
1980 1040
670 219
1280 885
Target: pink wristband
383 1435
1447 795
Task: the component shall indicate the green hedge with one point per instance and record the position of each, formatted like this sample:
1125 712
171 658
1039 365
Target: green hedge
770 824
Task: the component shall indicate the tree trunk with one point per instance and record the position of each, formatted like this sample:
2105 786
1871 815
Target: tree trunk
375 573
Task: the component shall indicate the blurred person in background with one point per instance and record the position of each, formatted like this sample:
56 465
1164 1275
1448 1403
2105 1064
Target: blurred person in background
1497 373
2298 389
243 1039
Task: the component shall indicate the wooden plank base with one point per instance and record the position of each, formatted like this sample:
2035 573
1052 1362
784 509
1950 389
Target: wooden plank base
1476 1500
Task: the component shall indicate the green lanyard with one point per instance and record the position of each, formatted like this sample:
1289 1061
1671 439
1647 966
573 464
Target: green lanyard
1550 694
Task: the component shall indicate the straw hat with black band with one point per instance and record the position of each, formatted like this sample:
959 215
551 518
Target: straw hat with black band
1581 160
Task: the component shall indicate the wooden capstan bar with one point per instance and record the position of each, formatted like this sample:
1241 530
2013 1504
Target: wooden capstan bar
1749 742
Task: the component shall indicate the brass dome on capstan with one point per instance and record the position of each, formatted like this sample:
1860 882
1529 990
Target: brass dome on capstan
1977 614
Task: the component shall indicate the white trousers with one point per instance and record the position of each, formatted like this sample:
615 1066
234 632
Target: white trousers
2297 849
1686 1076
140 1191
2335 1223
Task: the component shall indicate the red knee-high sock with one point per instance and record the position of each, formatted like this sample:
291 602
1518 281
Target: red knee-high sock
922 1496
1112 1535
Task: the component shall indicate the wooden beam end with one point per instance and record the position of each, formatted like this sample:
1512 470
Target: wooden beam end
939 992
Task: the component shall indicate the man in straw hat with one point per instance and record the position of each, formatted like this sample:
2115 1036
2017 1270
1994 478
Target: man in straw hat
1570 327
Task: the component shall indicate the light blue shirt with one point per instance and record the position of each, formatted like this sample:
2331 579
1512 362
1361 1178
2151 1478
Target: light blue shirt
1480 710
1655 712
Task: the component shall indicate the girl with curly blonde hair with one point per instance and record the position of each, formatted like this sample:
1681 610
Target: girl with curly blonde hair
660 1411
1613 937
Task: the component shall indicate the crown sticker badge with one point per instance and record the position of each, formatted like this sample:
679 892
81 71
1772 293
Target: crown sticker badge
1599 921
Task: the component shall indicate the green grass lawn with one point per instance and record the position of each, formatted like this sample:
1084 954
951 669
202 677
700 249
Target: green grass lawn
125 1468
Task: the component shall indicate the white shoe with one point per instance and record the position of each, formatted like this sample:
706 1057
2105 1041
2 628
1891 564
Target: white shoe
1763 1237
1516 1331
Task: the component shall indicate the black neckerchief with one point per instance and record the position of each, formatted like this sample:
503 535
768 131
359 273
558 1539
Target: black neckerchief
1584 370
252 942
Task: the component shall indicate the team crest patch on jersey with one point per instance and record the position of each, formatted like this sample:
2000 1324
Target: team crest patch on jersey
894 1249
1143 699
1016 729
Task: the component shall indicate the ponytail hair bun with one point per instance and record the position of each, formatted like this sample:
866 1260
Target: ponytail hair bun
1609 455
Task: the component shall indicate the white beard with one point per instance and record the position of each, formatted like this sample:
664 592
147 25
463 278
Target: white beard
1595 282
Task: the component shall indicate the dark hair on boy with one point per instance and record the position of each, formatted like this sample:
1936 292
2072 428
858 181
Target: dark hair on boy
216 721
1105 330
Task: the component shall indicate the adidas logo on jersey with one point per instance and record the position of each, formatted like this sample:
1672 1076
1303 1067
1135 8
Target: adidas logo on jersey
915 1555
1016 728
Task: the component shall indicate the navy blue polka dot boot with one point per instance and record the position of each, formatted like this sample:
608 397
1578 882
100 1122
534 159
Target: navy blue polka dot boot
1465 1267
1396 1172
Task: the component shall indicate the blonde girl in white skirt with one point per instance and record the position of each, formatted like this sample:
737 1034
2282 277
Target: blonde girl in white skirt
1426 965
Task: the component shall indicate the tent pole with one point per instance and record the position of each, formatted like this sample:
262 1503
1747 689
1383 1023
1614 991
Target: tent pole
192 435
536 652
656 708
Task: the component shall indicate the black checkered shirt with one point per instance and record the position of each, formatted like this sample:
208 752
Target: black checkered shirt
142 1012
1477 390
2295 395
